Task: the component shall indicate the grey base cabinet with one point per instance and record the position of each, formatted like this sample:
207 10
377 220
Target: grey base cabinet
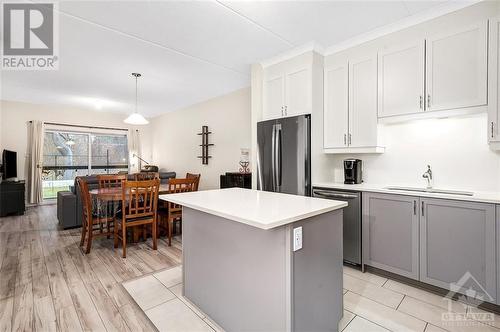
457 247
390 233
446 243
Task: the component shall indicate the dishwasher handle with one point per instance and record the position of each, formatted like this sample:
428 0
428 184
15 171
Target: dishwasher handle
324 193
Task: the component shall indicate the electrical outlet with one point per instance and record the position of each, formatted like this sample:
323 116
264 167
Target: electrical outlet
297 238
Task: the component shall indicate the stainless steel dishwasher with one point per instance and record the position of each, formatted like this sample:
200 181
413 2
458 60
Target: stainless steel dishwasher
352 220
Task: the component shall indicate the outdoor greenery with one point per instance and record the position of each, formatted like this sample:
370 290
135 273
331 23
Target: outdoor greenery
51 192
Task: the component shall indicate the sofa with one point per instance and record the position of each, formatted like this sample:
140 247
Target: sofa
69 203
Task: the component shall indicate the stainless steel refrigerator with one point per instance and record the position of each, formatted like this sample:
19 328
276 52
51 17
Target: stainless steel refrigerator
284 155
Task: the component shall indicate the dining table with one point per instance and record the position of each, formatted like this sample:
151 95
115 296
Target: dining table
106 202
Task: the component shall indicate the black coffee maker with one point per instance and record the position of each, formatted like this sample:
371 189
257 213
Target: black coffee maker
352 171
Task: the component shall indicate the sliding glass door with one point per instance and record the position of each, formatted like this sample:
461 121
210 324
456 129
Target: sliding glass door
109 154
71 154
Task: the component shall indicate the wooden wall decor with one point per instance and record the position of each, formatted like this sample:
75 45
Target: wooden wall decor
204 145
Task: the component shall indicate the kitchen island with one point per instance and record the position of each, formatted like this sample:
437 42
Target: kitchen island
244 269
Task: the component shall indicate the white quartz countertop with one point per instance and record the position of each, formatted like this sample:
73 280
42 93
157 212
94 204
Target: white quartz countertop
260 209
478 196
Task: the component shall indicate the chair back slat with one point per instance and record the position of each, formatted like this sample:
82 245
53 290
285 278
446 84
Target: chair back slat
143 176
194 176
140 198
111 180
176 186
86 201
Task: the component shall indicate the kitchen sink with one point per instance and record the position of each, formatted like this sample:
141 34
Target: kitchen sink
432 190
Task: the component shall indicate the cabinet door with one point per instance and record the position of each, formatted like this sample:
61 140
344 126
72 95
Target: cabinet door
457 246
494 74
401 80
390 233
298 91
336 110
456 68
274 96
363 102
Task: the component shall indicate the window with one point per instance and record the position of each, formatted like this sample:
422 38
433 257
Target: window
71 154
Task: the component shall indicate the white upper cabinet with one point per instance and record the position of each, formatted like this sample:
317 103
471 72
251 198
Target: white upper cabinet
336 106
401 80
350 106
457 68
288 88
363 102
274 96
298 91
494 75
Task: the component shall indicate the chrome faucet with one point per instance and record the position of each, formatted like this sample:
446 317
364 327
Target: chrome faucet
428 175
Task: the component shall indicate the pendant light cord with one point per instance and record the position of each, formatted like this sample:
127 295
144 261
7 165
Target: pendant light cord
136 94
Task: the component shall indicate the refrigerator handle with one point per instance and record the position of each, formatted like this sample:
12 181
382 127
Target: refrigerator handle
278 156
260 183
273 157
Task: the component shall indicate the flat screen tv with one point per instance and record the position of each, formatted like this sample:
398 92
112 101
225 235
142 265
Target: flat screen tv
9 164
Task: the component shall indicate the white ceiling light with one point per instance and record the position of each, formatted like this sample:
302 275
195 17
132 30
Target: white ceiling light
136 118
98 105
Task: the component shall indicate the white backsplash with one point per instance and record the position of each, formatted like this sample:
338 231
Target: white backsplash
456 149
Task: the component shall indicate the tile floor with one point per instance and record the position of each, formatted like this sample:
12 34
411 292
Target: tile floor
371 303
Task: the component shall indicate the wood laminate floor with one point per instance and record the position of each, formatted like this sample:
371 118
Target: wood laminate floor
48 284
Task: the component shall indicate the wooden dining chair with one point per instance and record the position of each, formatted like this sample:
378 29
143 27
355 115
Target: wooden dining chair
109 181
139 207
194 176
143 176
174 211
92 225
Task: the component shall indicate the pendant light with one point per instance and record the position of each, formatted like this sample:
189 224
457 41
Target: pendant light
136 118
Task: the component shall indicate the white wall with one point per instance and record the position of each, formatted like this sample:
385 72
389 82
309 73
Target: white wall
16 115
456 148
176 143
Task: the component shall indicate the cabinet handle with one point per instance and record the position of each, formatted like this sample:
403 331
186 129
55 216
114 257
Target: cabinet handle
345 139
428 100
414 208
421 102
286 110
282 110
492 129
350 139
422 209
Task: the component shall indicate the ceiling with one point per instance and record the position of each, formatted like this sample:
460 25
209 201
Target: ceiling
187 52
